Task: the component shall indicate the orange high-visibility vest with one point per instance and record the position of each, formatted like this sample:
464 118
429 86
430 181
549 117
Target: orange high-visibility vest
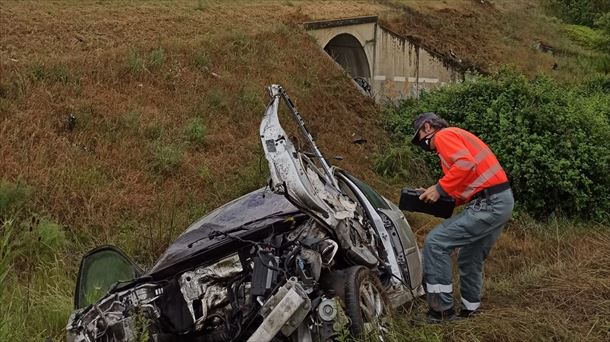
468 164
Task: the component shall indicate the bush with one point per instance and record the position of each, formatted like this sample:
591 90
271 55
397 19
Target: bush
583 12
552 141
401 164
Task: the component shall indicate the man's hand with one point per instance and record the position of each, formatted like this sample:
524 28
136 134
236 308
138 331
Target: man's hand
430 195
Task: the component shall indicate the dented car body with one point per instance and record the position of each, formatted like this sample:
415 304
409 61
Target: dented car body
314 255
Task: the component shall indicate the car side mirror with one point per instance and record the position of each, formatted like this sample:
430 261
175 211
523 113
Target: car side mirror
99 270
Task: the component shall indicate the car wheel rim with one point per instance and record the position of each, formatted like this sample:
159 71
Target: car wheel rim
371 306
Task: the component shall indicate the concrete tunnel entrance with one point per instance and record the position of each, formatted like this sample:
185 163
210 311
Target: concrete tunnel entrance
346 50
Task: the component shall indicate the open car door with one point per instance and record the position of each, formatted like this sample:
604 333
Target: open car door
312 188
100 269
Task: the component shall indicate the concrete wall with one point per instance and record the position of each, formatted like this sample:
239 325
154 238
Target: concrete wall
403 69
364 33
399 68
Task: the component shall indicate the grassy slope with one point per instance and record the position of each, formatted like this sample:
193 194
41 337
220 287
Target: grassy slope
167 98
487 34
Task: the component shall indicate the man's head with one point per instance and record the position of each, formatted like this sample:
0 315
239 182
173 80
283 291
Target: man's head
425 125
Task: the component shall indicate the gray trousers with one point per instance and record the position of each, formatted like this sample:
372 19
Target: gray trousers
474 231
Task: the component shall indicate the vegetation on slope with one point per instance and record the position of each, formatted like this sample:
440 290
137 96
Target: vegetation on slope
125 136
123 122
551 140
484 35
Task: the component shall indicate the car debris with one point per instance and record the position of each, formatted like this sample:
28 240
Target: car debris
314 255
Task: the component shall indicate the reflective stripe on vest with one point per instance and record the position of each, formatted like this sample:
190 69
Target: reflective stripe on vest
492 171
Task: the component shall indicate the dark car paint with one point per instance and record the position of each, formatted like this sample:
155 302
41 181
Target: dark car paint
257 213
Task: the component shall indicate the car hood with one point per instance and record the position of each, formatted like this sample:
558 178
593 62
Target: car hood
252 211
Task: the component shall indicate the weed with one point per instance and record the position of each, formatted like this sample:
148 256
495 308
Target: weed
195 131
201 60
141 325
130 121
51 235
167 158
7 245
153 131
52 74
135 62
250 101
156 57
201 5
12 197
217 98
138 62
584 35
204 173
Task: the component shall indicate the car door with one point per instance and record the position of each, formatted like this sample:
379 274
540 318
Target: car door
99 270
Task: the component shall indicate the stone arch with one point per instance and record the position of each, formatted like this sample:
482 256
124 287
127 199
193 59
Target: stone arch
347 50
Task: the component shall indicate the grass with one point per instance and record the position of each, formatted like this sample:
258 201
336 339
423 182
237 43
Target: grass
543 281
195 131
54 73
486 35
187 77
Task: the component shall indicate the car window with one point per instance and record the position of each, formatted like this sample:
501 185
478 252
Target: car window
376 200
100 269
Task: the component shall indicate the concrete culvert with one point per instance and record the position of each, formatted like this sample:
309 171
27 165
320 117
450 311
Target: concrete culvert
346 50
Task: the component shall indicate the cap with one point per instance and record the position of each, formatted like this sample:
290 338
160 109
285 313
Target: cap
419 122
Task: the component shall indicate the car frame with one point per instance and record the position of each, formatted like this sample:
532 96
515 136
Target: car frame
314 254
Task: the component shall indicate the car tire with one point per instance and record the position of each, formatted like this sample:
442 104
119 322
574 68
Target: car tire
365 300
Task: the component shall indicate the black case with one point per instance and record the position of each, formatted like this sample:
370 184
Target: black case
409 201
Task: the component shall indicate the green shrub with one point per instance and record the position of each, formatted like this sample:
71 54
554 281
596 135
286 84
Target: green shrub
583 12
401 164
552 141
584 35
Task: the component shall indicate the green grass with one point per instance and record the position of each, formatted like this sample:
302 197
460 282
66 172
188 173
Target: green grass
57 73
139 62
584 35
167 158
195 131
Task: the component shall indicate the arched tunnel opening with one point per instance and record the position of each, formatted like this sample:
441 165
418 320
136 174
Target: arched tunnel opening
346 50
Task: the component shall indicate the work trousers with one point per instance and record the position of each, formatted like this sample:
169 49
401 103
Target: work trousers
473 232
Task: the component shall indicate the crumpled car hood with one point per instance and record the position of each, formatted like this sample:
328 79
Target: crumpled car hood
257 209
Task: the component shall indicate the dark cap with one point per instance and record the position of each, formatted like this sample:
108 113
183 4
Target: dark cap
421 119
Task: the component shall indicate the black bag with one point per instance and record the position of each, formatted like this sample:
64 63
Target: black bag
409 201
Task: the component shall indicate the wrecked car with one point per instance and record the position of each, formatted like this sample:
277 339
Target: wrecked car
316 255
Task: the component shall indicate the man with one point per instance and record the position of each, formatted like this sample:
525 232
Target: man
472 176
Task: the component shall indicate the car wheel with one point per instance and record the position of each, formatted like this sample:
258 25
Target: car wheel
365 301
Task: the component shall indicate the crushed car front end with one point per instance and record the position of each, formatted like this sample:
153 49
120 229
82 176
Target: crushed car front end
316 255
